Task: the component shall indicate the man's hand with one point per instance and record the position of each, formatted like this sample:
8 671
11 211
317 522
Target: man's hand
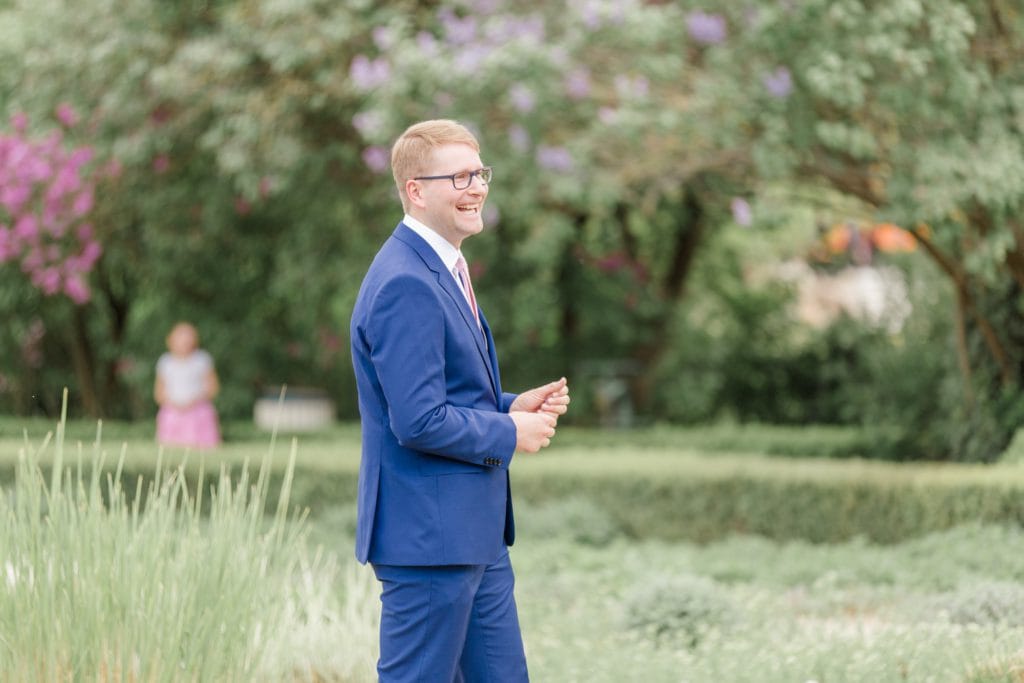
552 398
533 430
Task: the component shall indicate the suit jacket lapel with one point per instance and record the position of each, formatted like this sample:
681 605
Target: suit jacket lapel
447 282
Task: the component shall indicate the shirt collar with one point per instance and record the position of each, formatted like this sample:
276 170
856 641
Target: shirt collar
444 249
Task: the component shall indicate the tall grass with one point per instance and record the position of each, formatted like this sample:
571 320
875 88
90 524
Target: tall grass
96 584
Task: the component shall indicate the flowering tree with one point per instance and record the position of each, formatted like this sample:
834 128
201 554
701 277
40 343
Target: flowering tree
45 199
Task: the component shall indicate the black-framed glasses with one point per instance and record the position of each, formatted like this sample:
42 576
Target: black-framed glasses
463 179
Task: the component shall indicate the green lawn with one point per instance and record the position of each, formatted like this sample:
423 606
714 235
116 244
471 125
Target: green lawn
596 604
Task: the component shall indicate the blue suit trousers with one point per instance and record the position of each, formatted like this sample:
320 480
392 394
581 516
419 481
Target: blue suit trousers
450 624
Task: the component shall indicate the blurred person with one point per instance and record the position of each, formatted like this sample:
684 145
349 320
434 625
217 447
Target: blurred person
438 433
186 383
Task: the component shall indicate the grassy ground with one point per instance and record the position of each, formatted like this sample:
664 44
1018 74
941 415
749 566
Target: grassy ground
595 606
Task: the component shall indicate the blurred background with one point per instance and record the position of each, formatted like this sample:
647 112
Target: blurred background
770 211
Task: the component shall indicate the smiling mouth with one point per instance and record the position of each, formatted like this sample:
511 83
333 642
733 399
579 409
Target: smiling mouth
473 210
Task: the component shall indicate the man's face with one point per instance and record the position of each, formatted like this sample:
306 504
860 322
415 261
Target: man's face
454 214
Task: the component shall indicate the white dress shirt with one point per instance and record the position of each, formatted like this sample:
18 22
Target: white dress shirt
444 249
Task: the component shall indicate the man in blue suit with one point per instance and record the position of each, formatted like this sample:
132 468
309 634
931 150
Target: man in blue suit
435 506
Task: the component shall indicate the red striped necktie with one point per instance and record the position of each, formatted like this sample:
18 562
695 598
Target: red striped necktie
467 287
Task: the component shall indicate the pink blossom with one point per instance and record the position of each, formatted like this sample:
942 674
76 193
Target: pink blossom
33 260
66 114
26 228
76 289
83 203
19 122
8 248
161 164
47 279
13 197
114 168
90 254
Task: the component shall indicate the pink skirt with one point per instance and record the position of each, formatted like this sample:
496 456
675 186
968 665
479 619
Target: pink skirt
195 427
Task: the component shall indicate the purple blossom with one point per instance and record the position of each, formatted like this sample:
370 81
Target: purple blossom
457 31
367 74
427 43
518 138
631 88
577 83
368 123
491 214
468 58
607 115
590 13
778 83
707 29
741 211
557 159
376 158
384 38
161 164
486 6
523 99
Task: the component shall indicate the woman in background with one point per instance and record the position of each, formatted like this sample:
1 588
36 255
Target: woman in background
186 383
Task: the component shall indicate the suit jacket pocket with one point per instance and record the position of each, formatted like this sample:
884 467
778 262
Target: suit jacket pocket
433 465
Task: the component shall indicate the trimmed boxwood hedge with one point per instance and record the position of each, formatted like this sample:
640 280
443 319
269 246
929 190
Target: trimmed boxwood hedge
657 490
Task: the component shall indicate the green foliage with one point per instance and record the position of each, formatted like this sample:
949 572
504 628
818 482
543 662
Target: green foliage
987 603
196 583
677 609
576 519
253 191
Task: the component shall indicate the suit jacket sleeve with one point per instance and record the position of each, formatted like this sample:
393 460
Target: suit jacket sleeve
407 349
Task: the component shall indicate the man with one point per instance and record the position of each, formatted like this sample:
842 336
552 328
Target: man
435 507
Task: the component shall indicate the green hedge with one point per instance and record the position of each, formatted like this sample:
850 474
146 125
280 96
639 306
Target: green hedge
674 495
658 491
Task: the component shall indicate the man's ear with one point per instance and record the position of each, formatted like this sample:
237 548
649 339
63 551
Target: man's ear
414 191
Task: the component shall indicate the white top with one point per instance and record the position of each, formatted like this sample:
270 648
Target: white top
184 378
444 249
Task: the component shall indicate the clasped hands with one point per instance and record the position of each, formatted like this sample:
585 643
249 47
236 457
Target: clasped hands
536 412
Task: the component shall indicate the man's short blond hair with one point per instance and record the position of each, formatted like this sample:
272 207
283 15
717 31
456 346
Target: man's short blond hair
412 151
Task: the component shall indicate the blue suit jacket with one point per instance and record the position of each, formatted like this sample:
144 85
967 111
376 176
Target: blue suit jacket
436 437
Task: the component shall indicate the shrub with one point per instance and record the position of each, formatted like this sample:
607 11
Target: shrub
576 519
987 603
678 608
